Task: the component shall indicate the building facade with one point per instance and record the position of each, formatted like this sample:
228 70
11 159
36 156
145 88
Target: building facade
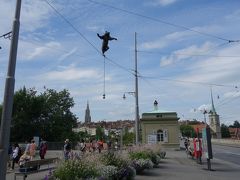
160 127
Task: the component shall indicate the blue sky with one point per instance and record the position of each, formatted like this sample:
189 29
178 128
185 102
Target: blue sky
182 48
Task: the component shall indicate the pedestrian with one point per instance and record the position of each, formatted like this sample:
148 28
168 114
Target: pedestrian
27 148
43 149
186 143
10 151
83 146
15 155
100 145
67 149
32 149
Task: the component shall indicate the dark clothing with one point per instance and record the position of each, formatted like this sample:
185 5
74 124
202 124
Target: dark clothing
43 150
106 37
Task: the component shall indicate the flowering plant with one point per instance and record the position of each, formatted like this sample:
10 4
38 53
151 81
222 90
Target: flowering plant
74 170
108 171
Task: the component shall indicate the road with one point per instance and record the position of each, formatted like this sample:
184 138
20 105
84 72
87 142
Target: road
226 153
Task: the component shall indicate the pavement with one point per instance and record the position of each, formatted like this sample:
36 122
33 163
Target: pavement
176 166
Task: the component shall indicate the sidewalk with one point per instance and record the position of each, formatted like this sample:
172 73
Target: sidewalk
176 166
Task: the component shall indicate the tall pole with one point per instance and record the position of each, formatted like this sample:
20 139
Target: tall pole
136 94
8 94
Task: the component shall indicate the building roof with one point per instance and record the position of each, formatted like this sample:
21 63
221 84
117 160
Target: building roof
157 111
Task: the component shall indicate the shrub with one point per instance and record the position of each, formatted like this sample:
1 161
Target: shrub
108 172
74 170
112 160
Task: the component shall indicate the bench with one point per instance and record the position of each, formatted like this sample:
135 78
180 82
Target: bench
31 167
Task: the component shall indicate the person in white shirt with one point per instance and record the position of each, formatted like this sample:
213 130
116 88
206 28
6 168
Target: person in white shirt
15 155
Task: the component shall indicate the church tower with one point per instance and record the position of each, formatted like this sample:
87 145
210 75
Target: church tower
214 121
87 114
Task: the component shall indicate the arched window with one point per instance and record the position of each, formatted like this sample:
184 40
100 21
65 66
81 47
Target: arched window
160 135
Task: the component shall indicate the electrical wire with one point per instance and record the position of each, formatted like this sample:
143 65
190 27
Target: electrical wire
70 24
94 47
192 82
162 21
193 55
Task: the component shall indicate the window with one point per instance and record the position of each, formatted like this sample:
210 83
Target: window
160 136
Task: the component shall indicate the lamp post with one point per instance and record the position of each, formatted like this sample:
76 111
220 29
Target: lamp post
136 117
135 93
204 114
8 94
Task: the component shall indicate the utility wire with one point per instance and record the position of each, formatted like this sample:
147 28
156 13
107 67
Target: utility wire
193 82
162 21
228 100
182 54
94 47
7 35
70 24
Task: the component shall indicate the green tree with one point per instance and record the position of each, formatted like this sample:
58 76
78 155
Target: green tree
187 130
99 133
225 131
128 138
236 124
46 115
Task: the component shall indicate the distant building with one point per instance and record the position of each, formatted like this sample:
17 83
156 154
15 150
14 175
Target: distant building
160 127
234 133
87 115
90 130
214 122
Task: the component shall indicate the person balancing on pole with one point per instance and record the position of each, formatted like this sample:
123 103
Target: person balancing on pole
106 37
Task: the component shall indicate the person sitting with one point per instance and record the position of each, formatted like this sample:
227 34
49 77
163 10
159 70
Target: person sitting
23 159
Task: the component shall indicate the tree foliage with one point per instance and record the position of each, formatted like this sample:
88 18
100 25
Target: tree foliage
236 124
47 115
129 138
225 131
187 130
100 133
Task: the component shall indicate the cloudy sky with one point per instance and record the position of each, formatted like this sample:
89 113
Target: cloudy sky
185 48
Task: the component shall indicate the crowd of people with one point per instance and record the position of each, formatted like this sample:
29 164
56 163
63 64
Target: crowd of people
92 146
20 155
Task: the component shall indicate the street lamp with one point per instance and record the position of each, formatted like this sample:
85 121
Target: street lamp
130 93
137 114
204 114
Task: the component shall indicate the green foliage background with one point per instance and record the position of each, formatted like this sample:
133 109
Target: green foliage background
46 114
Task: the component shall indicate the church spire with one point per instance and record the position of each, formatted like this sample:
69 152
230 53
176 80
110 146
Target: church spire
213 108
87 114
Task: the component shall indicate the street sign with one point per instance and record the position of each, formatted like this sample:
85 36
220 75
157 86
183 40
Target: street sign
152 139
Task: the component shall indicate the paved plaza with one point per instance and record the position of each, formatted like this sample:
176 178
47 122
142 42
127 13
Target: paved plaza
176 166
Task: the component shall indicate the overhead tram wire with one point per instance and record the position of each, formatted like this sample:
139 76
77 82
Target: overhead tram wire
192 82
70 24
180 54
164 22
75 29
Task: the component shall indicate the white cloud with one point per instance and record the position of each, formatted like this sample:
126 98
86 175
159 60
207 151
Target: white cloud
161 2
34 15
64 56
72 74
232 94
29 51
204 107
166 2
185 53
